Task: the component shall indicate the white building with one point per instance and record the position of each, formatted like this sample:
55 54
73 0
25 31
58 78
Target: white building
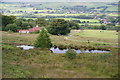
23 31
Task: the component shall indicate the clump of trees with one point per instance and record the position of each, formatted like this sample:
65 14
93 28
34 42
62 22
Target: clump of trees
13 24
54 26
7 20
59 27
73 25
43 40
11 27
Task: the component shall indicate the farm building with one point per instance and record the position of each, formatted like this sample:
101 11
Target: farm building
23 31
30 30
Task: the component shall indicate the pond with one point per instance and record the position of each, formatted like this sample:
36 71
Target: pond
58 50
25 47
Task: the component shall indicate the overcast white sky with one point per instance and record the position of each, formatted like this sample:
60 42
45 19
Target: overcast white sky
59 0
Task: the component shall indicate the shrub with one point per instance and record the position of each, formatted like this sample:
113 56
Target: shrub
71 54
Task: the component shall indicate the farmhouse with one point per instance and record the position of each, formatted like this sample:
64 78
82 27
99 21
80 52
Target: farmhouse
23 31
34 29
30 30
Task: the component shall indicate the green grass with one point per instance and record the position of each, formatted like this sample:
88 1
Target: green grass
41 63
97 34
31 18
38 63
112 8
94 24
112 14
43 10
45 14
90 20
79 38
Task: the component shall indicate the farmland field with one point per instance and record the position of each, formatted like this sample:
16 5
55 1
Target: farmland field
40 10
90 20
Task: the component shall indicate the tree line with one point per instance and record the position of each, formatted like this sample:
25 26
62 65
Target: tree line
54 26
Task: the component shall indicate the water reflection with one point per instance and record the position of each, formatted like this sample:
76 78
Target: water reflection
57 50
25 47
61 50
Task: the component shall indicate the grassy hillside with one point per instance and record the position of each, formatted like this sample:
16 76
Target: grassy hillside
55 5
41 63
94 36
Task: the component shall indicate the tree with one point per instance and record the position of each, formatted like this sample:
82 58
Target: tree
73 25
83 22
77 21
103 27
32 24
30 20
22 19
18 22
88 21
11 27
25 25
7 20
59 27
43 40
41 22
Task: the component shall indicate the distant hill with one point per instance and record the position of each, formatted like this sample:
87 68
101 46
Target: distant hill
34 9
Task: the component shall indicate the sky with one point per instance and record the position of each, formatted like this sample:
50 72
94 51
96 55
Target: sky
59 0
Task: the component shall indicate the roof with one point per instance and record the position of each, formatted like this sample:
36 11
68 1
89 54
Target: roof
32 29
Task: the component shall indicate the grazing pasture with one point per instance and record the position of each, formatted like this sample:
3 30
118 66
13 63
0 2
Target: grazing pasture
103 34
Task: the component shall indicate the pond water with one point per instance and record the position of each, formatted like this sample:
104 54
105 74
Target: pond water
57 50
25 47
